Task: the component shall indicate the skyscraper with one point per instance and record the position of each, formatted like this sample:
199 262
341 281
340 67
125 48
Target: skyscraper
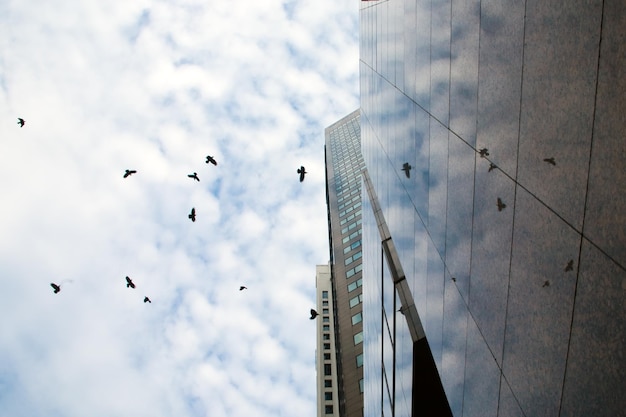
343 194
493 221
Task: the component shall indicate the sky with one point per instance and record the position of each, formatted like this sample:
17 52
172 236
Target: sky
155 86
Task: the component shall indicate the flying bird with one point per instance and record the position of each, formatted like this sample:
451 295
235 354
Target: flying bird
301 171
570 265
551 161
406 167
147 300
454 279
129 172
211 160
21 122
129 283
483 152
492 166
192 215
194 176
241 288
501 205
546 284
56 287
314 314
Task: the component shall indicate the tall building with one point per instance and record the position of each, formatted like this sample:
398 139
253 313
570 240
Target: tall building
494 226
342 328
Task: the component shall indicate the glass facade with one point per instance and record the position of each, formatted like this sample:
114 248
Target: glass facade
493 133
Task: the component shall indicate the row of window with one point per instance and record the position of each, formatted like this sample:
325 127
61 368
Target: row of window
350 272
356 300
352 246
349 209
353 192
353 258
351 226
350 217
351 236
356 284
352 200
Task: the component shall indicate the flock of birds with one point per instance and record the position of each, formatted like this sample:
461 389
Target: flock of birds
192 216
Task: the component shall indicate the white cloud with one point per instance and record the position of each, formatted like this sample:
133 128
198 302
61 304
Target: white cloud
157 86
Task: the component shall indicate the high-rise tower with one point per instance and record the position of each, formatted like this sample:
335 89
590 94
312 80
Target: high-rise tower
343 194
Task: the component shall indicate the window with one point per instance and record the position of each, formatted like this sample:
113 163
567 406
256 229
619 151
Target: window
356 300
324 311
329 409
326 346
327 370
361 384
326 327
358 338
327 336
359 360
325 320
328 396
357 318
325 294
356 284
328 383
326 356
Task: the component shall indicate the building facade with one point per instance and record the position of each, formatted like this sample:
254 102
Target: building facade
494 231
343 323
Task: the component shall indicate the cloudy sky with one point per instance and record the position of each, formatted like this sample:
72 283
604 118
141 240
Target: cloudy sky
156 86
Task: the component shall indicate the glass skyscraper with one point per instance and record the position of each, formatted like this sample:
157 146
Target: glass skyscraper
494 208
342 321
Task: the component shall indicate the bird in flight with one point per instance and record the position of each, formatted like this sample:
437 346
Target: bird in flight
492 166
501 205
129 172
147 300
241 288
194 176
546 284
56 287
302 172
192 215
314 314
551 161
570 265
483 152
406 167
129 283
211 160
21 122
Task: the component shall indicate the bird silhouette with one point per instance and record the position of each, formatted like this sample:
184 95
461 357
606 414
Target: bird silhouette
211 160
314 314
56 287
483 152
406 167
21 122
546 284
129 283
492 166
501 205
129 172
570 265
454 279
551 161
302 172
241 288
194 176
147 300
192 215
